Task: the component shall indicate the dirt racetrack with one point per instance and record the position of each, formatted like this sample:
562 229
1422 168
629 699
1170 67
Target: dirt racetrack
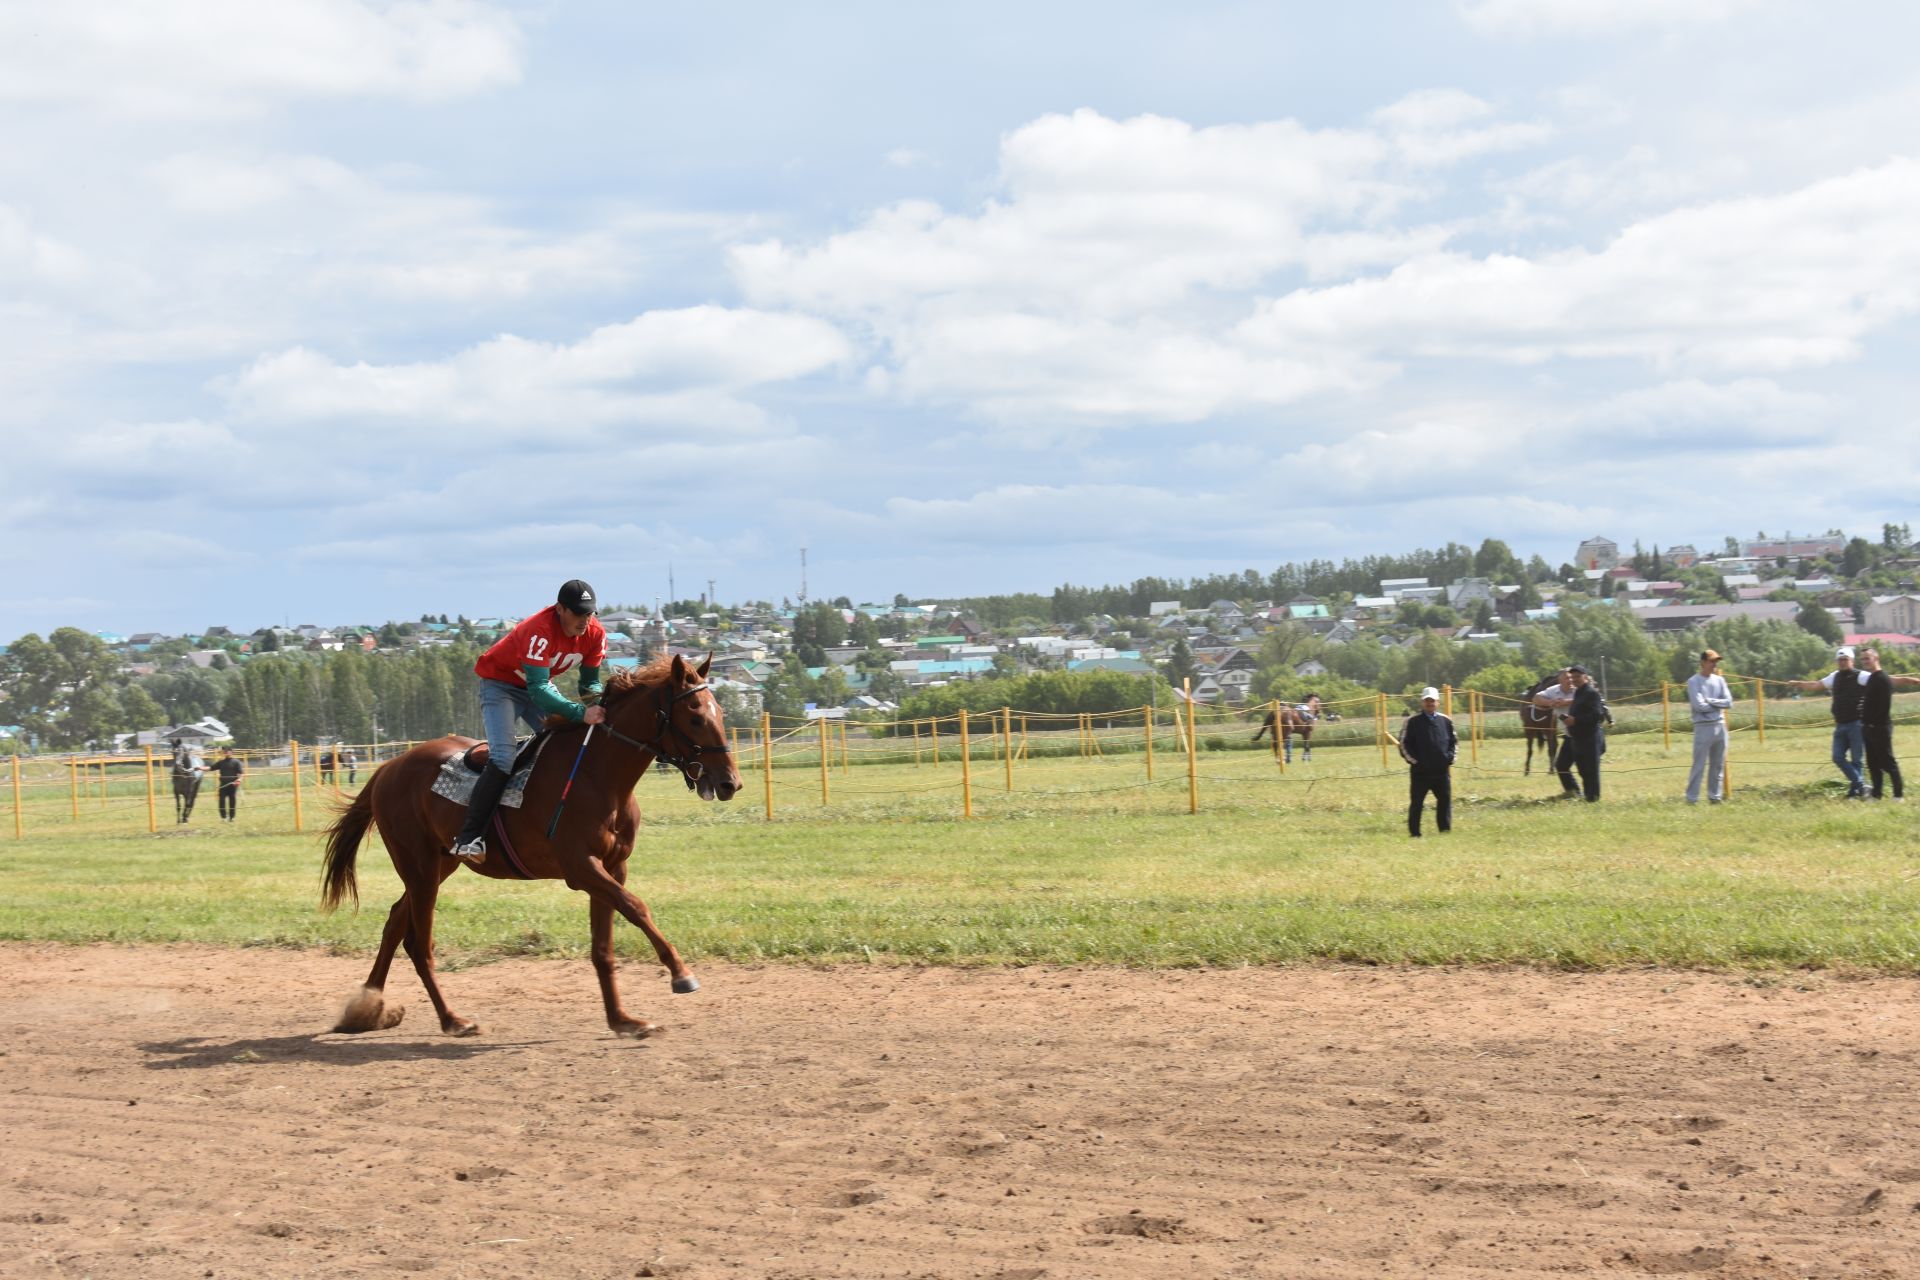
172 1112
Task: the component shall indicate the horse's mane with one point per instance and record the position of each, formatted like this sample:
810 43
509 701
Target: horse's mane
622 683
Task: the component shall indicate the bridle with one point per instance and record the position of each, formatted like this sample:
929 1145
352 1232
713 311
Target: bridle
691 767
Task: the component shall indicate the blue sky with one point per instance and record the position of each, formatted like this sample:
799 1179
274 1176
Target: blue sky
336 310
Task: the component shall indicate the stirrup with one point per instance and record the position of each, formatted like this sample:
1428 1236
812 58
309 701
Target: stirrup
474 850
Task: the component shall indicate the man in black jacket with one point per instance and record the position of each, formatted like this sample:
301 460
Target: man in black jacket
1584 720
1427 744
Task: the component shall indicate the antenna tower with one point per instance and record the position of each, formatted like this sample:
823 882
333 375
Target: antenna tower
803 575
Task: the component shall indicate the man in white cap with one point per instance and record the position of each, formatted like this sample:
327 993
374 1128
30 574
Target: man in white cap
1848 687
1427 744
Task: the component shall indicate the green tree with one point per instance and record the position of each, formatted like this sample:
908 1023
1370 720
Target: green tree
62 691
1857 557
1179 666
1817 621
1608 641
138 710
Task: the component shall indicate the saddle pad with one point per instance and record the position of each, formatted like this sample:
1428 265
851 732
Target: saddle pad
455 781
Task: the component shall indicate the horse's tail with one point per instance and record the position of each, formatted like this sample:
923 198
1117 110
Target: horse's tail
343 846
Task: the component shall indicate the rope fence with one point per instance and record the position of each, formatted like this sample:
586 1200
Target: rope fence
817 763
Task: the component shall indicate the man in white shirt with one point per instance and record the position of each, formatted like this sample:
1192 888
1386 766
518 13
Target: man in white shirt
1556 699
1708 699
1848 685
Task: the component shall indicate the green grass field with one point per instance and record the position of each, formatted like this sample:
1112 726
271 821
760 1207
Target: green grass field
1084 861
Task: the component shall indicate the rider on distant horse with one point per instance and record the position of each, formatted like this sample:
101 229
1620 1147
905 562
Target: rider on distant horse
516 684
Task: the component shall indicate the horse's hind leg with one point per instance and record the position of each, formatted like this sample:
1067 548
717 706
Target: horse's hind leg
369 1011
422 898
600 916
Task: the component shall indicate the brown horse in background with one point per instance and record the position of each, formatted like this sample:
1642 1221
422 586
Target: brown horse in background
1537 723
660 712
1293 721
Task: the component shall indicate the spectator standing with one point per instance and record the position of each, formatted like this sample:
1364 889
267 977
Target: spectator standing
1848 685
351 763
232 772
516 685
1708 701
1585 717
1428 743
1558 700
1876 723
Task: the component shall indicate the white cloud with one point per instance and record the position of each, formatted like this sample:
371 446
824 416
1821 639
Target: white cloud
1104 281
1439 127
1594 17
1763 283
203 57
687 366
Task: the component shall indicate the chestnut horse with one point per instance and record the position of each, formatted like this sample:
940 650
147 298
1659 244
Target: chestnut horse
1292 721
660 712
1537 723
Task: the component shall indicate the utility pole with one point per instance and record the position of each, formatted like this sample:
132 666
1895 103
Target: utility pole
711 600
672 595
803 575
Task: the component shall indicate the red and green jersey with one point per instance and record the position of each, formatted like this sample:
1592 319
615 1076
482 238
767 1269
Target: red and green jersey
539 641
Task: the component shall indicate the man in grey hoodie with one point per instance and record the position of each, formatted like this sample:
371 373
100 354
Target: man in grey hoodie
1708 699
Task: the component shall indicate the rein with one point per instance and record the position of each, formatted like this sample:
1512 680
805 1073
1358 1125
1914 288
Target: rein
690 766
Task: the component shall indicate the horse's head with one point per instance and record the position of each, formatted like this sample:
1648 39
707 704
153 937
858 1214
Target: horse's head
669 708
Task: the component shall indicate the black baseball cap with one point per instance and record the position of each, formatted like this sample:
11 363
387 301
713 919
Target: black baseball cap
578 597
1576 670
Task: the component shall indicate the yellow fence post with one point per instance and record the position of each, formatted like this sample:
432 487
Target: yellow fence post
1446 700
821 721
1147 717
1760 706
1380 726
1006 741
1473 725
916 744
1726 776
73 786
17 826
1666 717
966 768
1024 753
293 750
933 736
1193 764
766 760
1279 732
153 815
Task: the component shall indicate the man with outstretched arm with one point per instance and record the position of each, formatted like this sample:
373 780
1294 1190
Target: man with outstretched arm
1876 723
1586 715
1848 685
1428 744
1708 701
1556 699
516 685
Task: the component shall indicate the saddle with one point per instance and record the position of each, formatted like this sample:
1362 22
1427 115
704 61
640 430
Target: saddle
457 776
477 756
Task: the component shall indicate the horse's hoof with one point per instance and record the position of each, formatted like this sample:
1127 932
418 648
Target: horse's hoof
686 985
636 1029
368 1011
461 1027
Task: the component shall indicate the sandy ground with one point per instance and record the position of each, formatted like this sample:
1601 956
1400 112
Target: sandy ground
174 1112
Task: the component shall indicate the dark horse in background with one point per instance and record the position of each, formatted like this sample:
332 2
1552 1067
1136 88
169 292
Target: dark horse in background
660 712
1537 723
1293 721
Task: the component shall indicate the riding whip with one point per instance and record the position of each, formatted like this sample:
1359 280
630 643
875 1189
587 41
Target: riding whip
554 821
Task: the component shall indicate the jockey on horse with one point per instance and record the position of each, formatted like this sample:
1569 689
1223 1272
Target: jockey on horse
516 685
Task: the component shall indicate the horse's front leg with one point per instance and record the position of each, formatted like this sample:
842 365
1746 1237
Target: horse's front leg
423 894
600 914
590 875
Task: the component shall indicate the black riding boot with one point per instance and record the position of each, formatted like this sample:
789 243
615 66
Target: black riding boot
471 843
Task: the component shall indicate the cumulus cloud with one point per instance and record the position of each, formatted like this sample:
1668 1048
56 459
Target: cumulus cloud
1103 281
204 57
1763 283
688 366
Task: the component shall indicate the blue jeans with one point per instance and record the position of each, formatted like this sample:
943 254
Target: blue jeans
502 705
1849 752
